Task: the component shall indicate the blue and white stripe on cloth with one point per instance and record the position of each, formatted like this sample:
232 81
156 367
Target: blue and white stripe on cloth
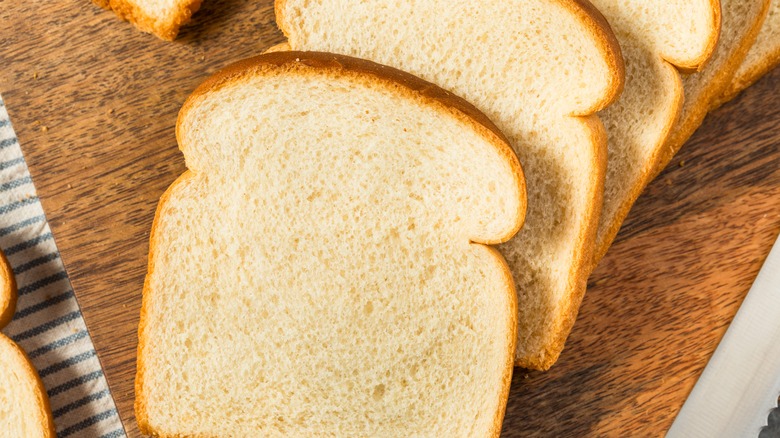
48 324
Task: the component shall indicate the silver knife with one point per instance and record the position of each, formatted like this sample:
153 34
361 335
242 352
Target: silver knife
740 385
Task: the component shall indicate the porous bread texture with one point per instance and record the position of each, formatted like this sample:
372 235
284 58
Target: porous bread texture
24 406
763 56
539 69
740 23
315 271
658 41
162 18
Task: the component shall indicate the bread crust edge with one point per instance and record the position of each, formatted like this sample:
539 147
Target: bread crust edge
506 378
712 43
8 294
753 73
417 88
140 405
714 89
604 241
578 276
588 15
23 364
144 22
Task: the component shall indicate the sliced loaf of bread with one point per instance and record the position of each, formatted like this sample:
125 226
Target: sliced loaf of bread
321 268
763 56
740 23
162 18
24 406
539 69
657 42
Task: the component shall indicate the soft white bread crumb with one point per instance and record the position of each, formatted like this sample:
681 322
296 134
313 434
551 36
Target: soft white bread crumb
740 23
314 272
763 56
162 18
657 39
539 69
24 406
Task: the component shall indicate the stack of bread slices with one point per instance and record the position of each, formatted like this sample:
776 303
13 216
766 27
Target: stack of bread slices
324 266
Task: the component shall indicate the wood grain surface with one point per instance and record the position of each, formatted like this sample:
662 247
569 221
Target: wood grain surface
94 104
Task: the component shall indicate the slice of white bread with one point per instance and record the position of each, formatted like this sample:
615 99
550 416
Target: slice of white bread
740 23
162 18
24 406
320 269
539 69
657 43
763 56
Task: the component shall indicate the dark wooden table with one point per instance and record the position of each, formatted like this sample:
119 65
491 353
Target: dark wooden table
94 104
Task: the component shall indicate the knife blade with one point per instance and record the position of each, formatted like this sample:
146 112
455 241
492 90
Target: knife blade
741 383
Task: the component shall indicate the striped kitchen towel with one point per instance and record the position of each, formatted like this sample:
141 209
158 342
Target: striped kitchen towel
48 324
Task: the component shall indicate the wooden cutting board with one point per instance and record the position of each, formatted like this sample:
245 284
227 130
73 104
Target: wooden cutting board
94 104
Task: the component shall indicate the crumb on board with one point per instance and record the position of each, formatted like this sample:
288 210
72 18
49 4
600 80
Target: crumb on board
70 186
682 163
44 128
35 75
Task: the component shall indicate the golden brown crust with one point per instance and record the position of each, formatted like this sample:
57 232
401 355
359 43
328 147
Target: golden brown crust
751 74
418 88
609 46
281 47
699 63
7 291
604 241
41 412
591 19
675 68
712 92
140 398
165 29
512 333
578 276
280 23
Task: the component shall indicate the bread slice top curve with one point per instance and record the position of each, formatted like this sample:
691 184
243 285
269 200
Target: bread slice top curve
659 40
582 75
740 23
314 272
763 56
163 18
24 406
539 69
683 32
